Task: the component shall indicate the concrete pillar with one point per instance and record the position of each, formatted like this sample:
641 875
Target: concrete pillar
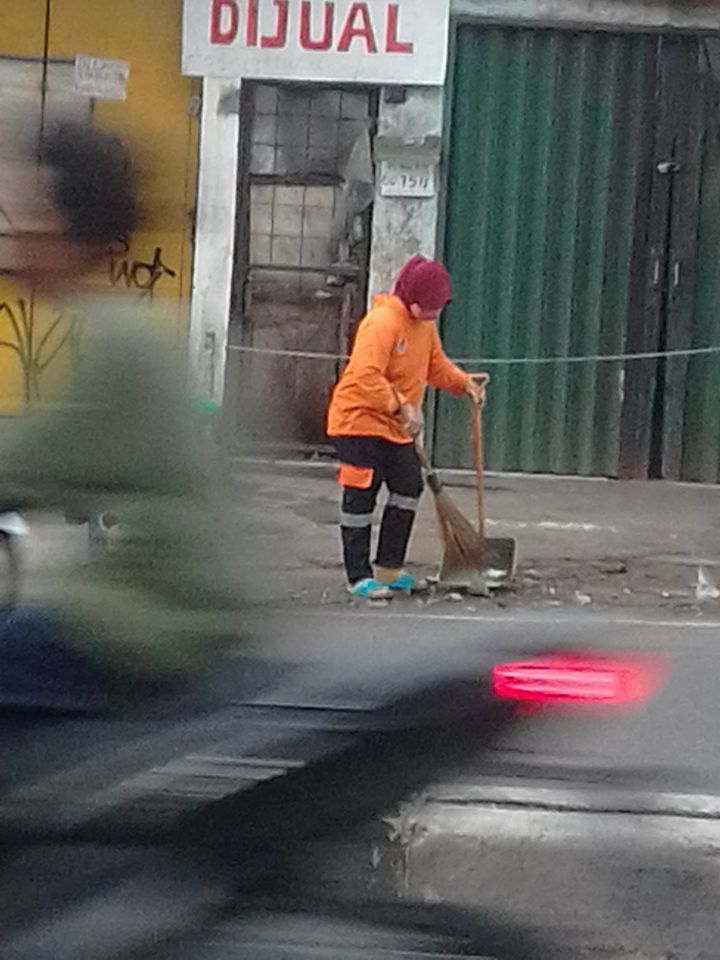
214 237
409 132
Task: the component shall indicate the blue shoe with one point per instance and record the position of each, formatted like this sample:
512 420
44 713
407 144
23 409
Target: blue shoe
370 589
404 583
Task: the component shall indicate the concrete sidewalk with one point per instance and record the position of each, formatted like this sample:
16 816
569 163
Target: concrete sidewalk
581 542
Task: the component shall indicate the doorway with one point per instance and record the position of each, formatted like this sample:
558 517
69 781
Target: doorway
306 187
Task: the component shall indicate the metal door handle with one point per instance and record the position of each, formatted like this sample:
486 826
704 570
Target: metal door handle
676 274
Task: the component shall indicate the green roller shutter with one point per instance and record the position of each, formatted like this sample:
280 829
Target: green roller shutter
549 135
701 447
701 414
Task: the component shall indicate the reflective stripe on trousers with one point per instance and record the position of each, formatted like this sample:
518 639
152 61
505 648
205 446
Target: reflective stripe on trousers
403 503
356 521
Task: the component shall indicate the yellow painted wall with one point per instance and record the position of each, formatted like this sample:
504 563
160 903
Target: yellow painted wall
155 121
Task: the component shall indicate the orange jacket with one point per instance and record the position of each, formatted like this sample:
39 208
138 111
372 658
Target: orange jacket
394 357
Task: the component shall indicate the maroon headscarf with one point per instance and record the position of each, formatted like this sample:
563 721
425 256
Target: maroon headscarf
424 282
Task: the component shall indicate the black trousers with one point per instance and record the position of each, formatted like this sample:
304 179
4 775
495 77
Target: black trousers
397 466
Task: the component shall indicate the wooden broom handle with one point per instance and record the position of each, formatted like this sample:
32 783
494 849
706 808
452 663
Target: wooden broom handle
422 456
477 450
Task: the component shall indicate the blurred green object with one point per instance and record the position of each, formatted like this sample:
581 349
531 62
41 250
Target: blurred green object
123 440
206 405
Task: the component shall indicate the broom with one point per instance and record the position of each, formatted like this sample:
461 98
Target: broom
463 547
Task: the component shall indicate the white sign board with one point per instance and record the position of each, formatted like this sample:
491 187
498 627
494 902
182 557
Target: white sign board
404 42
407 180
101 79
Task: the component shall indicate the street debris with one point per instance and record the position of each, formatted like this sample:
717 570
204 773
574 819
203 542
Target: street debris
612 567
705 588
647 582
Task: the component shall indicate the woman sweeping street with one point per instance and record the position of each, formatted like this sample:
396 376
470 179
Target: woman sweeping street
375 414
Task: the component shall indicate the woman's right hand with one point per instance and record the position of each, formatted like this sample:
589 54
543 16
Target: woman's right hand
411 419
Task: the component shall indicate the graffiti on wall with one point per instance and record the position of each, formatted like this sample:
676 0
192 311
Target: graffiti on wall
142 276
35 348
39 336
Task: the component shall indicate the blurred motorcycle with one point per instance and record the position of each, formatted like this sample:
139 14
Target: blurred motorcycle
171 832
12 529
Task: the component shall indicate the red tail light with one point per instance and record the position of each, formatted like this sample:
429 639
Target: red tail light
578 679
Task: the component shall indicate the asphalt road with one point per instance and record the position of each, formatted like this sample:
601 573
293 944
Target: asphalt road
603 830
671 744
360 657
656 901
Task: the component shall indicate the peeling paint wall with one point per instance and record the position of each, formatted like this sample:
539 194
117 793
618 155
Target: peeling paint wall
156 121
403 226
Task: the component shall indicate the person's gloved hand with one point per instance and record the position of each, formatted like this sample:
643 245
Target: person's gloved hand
411 419
475 387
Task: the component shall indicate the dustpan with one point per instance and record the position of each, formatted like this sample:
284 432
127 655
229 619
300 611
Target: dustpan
498 554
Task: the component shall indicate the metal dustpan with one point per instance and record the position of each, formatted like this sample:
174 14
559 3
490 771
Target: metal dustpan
497 556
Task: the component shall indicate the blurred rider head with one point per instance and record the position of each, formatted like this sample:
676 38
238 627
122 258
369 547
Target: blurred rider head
62 209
